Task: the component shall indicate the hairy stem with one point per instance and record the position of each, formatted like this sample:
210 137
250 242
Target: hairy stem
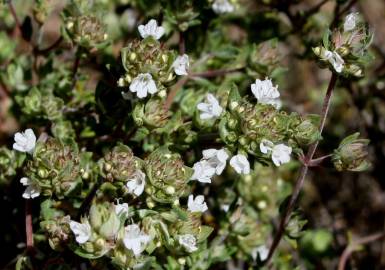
303 170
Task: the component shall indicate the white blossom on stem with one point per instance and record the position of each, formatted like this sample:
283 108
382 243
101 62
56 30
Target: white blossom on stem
335 60
281 154
151 29
266 93
222 6
135 239
350 22
32 191
82 231
216 159
181 65
203 171
121 209
25 141
189 242
240 164
136 184
211 109
142 85
196 205
266 146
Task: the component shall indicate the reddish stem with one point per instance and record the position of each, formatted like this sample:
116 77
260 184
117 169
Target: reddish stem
303 171
28 225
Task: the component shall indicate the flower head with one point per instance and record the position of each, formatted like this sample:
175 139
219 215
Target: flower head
261 251
211 109
203 171
351 21
135 239
265 146
143 84
32 191
240 164
121 209
196 205
136 184
335 60
265 92
222 6
82 231
25 141
151 29
188 241
216 159
181 64
281 154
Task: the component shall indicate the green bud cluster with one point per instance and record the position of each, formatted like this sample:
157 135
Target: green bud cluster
44 105
352 46
55 168
352 154
245 124
58 232
263 59
148 56
10 161
152 114
167 176
86 30
118 166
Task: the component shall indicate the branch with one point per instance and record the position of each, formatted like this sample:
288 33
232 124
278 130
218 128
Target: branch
28 225
355 245
53 46
303 171
14 15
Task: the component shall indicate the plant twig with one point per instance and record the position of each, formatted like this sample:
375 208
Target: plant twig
303 170
174 91
182 45
14 15
355 245
28 225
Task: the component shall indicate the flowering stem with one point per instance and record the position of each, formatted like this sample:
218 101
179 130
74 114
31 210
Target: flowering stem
28 225
303 170
355 245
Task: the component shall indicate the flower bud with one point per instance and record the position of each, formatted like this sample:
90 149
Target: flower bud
352 154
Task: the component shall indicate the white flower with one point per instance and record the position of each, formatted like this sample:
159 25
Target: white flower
143 84
225 207
222 6
240 164
136 184
216 159
82 231
196 205
188 241
265 146
32 191
25 141
262 251
203 172
336 60
266 93
121 209
181 64
211 109
350 22
135 239
151 29
281 154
